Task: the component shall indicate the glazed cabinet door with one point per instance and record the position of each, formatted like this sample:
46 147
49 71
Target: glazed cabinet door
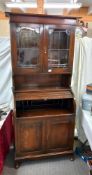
59 49
29 137
60 134
27 47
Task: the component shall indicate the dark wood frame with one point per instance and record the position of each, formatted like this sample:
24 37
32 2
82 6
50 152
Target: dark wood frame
33 130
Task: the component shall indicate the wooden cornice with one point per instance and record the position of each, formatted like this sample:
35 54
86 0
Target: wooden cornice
2 16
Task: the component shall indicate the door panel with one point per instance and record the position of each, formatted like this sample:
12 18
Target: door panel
28 46
60 133
29 135
58 47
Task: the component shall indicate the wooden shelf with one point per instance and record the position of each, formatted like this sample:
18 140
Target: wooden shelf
37 88
46 112
35 93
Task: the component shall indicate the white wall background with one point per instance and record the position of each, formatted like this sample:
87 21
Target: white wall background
6 95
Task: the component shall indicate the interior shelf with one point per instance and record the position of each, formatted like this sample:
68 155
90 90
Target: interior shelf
46 112
44 108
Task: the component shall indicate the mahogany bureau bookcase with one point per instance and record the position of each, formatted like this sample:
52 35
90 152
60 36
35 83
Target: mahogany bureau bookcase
42 49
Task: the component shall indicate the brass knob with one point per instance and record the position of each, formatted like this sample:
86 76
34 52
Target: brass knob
45 51
49 70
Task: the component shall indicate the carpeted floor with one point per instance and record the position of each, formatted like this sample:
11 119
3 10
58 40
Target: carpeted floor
51 166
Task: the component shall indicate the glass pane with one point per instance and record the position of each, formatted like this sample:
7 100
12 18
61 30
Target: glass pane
58 49
28 39
57 58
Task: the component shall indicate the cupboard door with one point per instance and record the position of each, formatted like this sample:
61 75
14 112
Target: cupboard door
60 134
29 137
28 44
59 56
